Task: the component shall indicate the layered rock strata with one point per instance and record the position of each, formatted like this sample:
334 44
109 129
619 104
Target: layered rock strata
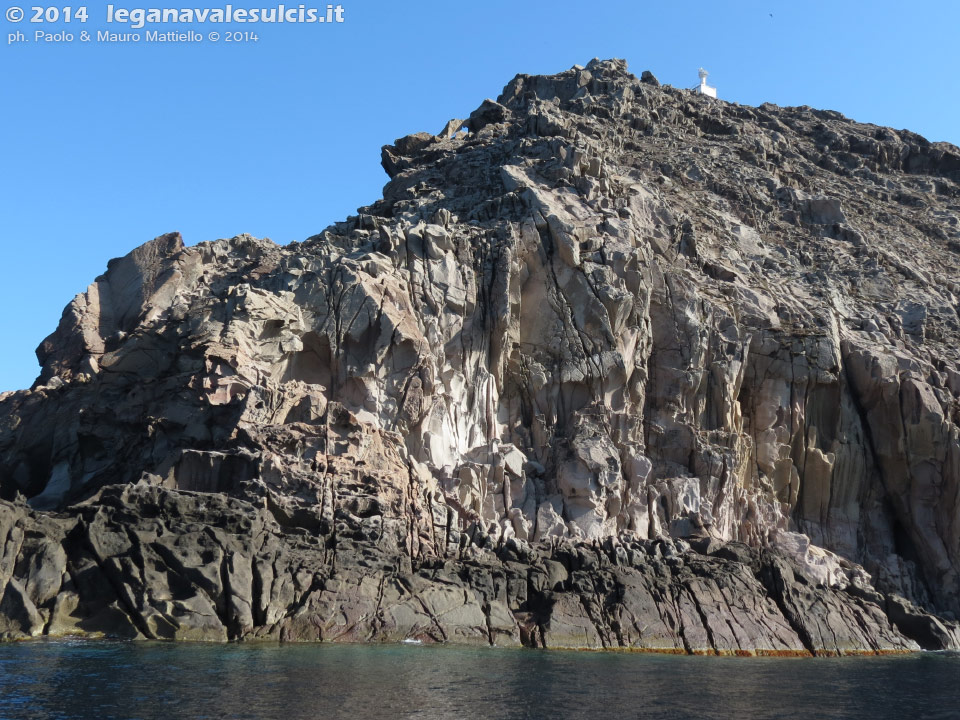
611 364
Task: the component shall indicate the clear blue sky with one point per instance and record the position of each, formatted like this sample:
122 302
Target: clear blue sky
107 146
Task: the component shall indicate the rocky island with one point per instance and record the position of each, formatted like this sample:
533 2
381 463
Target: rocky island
610 365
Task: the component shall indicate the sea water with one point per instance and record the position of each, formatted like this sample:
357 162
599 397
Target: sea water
106 680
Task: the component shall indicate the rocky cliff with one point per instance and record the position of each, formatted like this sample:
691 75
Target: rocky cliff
610 365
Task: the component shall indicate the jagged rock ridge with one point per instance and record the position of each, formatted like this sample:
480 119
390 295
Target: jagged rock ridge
610 364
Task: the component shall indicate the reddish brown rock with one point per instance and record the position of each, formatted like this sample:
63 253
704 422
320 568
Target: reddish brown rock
609 317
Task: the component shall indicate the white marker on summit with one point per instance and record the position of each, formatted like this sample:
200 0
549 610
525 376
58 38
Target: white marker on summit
703 88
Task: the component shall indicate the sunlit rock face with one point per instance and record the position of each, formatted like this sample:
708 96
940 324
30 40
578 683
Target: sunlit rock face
596 311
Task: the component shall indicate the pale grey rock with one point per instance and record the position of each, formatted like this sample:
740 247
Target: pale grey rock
611 315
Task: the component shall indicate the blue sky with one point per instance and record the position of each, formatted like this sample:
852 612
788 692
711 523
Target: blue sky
109 145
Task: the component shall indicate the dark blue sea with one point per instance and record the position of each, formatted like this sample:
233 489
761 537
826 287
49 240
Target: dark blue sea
102 680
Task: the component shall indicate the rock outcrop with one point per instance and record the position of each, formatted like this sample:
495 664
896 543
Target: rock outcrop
611 364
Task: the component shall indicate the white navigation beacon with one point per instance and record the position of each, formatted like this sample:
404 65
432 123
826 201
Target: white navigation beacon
703 88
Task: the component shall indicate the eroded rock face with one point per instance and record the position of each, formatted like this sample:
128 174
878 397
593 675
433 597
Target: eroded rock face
141 561
596 316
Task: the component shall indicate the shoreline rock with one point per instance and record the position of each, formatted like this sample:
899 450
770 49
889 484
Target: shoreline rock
142 562
594 326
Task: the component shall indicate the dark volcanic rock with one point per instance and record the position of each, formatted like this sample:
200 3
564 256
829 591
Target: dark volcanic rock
141 561
610 322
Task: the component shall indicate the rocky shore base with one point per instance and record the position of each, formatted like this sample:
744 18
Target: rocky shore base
144 562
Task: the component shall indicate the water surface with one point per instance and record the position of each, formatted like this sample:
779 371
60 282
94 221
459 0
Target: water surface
105 680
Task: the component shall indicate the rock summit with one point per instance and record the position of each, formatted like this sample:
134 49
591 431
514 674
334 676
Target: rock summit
610 365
